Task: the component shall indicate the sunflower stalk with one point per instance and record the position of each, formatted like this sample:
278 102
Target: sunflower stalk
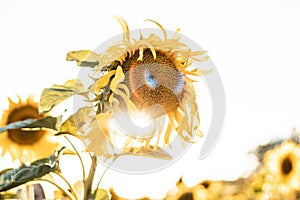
79 156
88 183
65 191
72 189
106 169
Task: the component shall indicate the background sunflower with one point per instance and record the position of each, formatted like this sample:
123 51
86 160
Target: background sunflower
25 145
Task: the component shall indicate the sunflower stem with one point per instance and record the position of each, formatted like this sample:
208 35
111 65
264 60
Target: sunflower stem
98 184
88 183
69 185
60 188
79 156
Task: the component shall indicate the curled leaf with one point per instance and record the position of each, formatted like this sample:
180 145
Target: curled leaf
16 125
11 178
57 93
84 58
96 141
74 123
103 81
46 122
102 194
68 127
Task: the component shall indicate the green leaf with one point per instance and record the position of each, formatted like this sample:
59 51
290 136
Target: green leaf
68 127
11 178
74 123
100 194
16 125
57 93
47 122
96 140
84 58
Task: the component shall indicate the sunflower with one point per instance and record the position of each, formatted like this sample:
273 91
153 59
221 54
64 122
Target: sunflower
254 183
145 91
239 196
183 192
25 145
209 190
114 196
283 168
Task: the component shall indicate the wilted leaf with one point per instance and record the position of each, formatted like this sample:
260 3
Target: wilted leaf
68 127
47 122
84 58
69 152
96 140
103 81
57 93
74 123
102 194
11 178
150 151
16 125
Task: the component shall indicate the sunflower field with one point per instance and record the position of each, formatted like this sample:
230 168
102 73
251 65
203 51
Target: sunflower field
134 83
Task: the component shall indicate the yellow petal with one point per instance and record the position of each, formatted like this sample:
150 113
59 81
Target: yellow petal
126 33
160 26
102 119
104 80
119 77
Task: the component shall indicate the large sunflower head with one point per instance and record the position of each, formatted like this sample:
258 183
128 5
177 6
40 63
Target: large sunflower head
283 168
145 88
20 144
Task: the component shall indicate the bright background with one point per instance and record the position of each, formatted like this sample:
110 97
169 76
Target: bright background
254 45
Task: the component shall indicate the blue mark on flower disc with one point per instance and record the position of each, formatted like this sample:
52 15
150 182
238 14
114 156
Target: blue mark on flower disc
150 81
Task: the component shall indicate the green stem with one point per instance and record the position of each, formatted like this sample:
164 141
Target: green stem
69 185
60 188
98 184
88 183
79 156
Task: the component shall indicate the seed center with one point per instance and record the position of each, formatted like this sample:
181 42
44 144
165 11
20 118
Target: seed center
186 196
287 166
205 184
19 136
153 83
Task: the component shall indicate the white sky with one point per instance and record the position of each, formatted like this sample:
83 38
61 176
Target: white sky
254 45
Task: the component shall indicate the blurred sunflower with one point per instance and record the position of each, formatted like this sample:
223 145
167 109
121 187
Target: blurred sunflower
239 196
149 81
254 183
283 168
183 192
25 145
114 196
209 189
